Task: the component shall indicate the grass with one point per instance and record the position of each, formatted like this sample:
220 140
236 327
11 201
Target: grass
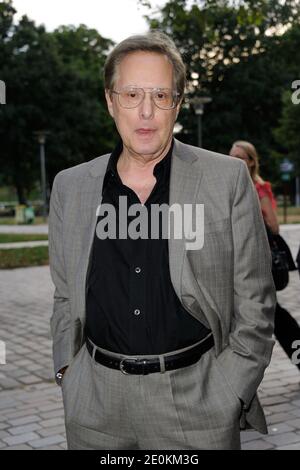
21 237
293 215
24 257
11 221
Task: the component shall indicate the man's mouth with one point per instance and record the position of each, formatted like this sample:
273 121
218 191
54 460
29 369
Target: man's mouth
145 131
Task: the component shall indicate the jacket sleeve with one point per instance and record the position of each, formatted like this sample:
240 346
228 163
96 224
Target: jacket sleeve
250 346
60 320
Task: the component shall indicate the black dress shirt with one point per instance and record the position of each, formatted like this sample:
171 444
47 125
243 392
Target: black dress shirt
131 304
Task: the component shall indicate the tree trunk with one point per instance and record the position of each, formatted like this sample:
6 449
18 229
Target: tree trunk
20 192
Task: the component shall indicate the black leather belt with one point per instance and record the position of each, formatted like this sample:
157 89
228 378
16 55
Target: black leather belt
143 366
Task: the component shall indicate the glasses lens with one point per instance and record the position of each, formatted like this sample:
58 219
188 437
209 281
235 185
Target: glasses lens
131 97
163 99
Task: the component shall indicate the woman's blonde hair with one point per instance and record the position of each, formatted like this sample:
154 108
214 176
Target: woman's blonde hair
253 155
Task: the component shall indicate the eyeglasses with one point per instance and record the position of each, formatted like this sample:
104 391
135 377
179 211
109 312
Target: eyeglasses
131 97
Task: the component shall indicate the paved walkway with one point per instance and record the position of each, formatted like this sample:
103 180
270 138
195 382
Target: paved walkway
42 228
31 412
6 246
24 229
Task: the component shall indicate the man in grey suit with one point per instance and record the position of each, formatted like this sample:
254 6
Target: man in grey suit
158 342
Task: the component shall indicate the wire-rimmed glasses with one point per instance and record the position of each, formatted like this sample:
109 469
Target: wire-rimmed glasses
130 97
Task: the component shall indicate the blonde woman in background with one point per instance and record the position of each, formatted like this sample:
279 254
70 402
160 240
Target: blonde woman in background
286 328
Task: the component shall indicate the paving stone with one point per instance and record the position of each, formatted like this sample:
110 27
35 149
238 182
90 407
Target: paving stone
290 447
30 379
271 384
279 417
26 420
24 429
273 400
257 445
283 439
48 423
23 362
51 448
21 439
247 436
294 423
45 374
276 391
51 407
281 408
47 441
8 367
6 403
280 428
8 383
33 367
15 374
21 414
52 414
52 431
21 447
36 408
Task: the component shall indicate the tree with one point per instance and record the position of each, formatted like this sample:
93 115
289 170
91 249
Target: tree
236 51
54 83
287 134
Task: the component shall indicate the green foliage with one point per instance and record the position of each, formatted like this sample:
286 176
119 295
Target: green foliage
54 83
21 237
24 257
245 54
287 134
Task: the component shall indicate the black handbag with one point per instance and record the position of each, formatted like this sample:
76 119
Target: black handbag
281 260
280 269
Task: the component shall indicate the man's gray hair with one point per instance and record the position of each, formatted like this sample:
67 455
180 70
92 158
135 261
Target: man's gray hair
154 41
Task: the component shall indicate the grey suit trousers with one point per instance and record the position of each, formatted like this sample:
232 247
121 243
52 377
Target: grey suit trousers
189 408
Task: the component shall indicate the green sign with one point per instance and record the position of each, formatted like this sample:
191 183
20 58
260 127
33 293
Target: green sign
285 176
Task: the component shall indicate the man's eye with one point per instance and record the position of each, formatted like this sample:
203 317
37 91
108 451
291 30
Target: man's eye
161 96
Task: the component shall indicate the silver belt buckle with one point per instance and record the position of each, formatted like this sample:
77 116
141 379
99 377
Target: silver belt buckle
127 359
122 367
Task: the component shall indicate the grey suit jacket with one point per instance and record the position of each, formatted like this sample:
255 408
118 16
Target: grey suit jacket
227 285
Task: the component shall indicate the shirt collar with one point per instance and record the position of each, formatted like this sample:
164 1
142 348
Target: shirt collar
161 169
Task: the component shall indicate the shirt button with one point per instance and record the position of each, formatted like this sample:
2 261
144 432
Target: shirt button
137 311
137 270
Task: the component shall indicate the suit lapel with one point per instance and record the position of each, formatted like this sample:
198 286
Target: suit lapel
90 201
184 188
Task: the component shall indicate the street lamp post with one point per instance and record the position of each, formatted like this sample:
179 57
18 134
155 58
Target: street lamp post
41 138
198 103
286 169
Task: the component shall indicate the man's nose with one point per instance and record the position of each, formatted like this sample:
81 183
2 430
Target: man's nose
147 107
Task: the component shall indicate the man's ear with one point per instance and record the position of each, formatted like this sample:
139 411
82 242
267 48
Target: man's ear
109 102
